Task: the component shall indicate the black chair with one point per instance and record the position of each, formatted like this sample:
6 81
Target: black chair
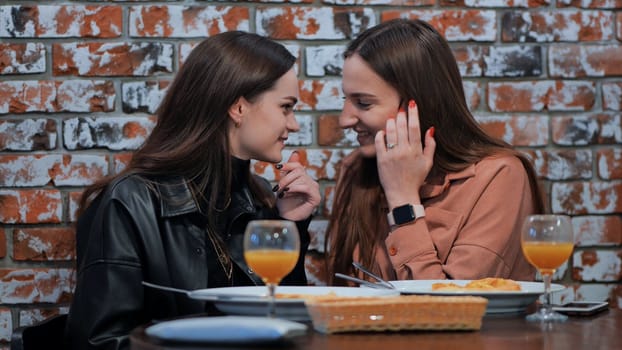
47 334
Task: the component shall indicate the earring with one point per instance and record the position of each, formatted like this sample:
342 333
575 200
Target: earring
237 124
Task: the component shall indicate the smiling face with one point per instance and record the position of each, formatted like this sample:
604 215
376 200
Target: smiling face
265 123
369 102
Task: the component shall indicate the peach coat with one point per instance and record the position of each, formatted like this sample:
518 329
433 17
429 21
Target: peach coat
471 229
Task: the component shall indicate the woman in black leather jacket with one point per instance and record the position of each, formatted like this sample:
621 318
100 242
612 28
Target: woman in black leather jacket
176 215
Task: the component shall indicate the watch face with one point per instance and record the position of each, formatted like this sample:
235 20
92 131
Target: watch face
403 214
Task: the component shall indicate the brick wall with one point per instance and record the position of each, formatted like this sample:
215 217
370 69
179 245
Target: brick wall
80 80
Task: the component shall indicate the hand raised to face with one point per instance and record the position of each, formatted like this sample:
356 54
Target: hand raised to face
403 162
297 193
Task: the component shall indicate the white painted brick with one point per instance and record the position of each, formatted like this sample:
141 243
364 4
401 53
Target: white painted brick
593 231
327 93
36 50
324 60
20 135
317 230
207 17
612 96
28 170
488 19
105 132
6 324
78 94
304 137
36 285
141 95
595 198
606 267
32 316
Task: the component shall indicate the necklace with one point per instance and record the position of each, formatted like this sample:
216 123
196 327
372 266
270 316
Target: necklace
223 258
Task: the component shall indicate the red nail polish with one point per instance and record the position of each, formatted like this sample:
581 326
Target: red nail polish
391 117
402 110
412 104
432 131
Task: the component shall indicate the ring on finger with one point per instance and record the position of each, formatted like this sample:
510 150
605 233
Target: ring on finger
390 145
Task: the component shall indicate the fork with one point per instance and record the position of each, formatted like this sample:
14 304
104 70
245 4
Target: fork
380 280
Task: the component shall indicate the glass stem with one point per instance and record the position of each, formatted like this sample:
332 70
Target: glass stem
547 293
271 303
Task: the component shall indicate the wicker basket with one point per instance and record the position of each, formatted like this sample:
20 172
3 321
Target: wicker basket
411 312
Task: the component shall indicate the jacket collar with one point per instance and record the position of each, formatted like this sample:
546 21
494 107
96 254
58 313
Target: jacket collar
175 197
435 186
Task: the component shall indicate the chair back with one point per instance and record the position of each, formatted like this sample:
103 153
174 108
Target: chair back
47 334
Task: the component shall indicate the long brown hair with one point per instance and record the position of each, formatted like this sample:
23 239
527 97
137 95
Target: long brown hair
416 60
191 138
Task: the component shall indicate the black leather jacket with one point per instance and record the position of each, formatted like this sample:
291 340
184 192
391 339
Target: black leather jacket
135 232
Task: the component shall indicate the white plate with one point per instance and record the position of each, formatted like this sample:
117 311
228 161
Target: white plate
499 302
226 330
253 301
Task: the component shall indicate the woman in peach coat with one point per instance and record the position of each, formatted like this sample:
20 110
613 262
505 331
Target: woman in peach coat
428 194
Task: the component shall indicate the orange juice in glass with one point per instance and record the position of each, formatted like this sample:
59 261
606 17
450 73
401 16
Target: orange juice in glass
547 242
271 264
271 249
547 256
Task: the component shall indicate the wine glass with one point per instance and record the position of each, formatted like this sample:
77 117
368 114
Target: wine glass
547 242
271 249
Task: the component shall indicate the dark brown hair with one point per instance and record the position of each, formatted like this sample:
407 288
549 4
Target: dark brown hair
415 60
190 138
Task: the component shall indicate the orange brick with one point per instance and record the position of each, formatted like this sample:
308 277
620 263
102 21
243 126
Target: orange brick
27 134
44 244
597 230
541 95
195 21
609 162
320 95
587 129
30 206
597 265
23 58
557 25
505 3
563 164
36 285
577 61
56 96
61 170
112 59
314 23
517 130
454 25
577 198
52 21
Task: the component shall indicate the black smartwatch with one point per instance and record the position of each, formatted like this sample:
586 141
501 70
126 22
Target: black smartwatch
405 214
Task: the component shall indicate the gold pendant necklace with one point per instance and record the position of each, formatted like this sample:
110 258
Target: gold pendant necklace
223 258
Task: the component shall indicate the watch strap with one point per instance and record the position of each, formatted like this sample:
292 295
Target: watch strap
417 209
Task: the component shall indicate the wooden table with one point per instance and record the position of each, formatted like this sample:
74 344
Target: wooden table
602 331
